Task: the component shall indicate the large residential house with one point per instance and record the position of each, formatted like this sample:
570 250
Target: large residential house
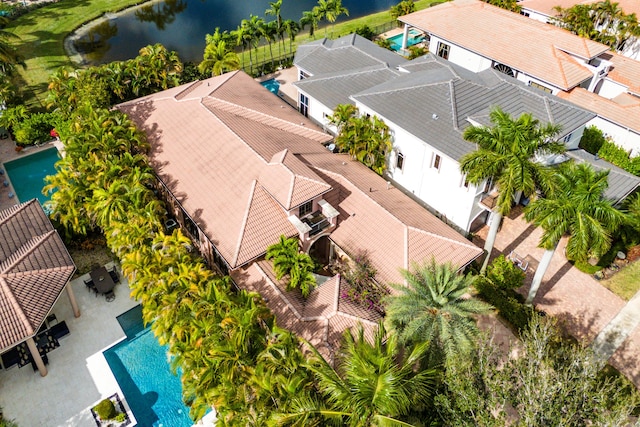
427 103
239 167
478 36
545 11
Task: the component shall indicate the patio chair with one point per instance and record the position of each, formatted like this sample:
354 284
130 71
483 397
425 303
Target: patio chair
59 330
51 319
10 358
114 275
91 286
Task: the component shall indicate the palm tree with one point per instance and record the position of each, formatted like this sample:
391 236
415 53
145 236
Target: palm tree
292 28
577 207
311 18
301 274
373 383
434 307
405 7
282 254
9 55
218 59
274 10
330 10
506 157
241 35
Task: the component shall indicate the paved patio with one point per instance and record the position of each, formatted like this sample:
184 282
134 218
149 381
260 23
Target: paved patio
583 306
78 374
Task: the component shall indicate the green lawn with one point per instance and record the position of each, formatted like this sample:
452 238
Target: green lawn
42 34
626 282
43 31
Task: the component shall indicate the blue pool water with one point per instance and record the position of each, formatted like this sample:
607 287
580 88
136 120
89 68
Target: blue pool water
142 370
27 174
272 84
396 41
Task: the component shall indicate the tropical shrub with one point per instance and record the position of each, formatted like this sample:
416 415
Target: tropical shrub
366 32
360 274
106 410
35 129
592 140
617 155
288 261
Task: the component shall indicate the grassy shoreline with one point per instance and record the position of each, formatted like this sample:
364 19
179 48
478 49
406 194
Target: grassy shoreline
43 32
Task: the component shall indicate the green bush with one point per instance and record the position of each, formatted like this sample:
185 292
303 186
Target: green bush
510 305
585 267
619 157
35 129
106 410
504 274
592 139
366 32
120 417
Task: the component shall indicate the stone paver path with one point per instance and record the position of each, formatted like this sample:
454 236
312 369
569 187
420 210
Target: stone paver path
585 308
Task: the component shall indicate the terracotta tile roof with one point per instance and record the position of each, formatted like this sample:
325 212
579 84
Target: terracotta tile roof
547 6
509 38
624 110
320 319
290 181
230 166
624 70
35 266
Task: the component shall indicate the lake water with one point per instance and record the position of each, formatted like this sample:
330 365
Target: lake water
181 25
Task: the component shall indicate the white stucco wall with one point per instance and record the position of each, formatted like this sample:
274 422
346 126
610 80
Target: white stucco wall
461 56
624 137
536 15
610 89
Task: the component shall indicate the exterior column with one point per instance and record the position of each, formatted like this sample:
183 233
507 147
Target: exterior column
405 37
72 300
36 356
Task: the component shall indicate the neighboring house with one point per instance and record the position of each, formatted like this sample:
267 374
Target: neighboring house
240 168
427 103
35 268
478 36
544 11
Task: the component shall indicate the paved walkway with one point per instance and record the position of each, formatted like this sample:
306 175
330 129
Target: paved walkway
585 308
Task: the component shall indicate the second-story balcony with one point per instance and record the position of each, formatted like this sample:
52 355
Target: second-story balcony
317 221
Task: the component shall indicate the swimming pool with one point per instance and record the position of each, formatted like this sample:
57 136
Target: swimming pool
142 370
27 174
414 38
272 84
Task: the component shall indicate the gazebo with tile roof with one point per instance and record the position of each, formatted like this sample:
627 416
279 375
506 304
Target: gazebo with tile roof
35 267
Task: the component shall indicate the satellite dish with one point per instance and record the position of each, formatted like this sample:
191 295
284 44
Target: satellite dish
331 147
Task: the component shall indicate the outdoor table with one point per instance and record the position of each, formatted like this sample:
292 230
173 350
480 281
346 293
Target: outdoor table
103 281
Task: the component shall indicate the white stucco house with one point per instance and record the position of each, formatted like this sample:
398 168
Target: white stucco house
478 36
544 11
427 103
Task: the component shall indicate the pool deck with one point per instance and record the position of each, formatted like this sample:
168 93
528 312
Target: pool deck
285 77
78 374
8 153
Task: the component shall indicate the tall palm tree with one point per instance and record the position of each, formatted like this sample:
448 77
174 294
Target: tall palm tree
577 207
242 37
218 59
274 10
434 307
373 383
292 28
506 156
312 19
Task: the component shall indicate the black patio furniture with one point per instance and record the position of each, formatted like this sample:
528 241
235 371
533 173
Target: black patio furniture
50 319
114 275
110 296
10 358
59 330
90 286
103 281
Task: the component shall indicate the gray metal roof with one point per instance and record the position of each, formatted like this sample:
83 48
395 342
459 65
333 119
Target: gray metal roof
332 89
412 100
621 182
343 54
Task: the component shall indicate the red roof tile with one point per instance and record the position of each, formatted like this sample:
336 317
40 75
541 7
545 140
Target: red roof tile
35 266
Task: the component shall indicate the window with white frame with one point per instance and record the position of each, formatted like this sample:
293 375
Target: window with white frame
443 50
464 182
399 160
305 209
437 161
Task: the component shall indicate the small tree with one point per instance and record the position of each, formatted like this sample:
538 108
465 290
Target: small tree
592 140
288 261
106 410
405 7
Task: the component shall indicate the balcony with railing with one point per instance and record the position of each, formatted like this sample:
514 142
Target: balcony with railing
317 221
